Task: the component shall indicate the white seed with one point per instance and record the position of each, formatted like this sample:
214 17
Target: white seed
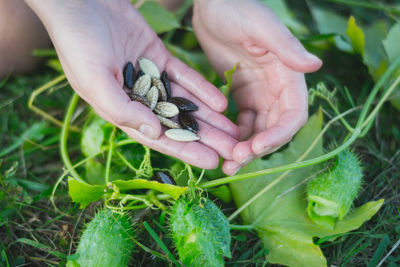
149 68
181 135
161 88
142 85
166 109
152 97
168 123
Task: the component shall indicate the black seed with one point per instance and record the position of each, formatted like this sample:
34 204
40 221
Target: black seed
129 75
138 75
164 177
188 122
167 84
140 99
183 104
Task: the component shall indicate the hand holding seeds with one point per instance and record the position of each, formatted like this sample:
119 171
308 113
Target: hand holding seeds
268 85
97 40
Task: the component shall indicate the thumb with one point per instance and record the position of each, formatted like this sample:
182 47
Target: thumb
111 102
273 35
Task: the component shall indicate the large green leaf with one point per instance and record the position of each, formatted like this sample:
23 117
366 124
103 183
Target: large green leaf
391 44
329 22
374 54
280 218
158 18
282 11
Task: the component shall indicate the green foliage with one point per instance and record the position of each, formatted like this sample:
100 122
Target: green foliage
158 18
93 136
106 241
283 12
391 44
200 232
84 194
225 89
279 216
331 194
356 36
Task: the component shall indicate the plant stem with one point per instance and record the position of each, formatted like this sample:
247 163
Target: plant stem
63 139
39 111
241 227
127 163
378 106
109 156
375 90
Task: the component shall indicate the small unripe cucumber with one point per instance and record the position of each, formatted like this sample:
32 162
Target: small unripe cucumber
331 194
106 241
200 232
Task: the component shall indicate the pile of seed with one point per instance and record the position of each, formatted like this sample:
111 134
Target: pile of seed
153 90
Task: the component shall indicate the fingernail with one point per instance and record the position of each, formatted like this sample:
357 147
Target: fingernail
247 160
236 170
148 131
311 57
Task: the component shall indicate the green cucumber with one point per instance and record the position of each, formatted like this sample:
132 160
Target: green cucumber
106 241
200 232
331 194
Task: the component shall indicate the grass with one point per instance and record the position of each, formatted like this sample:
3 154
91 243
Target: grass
33 233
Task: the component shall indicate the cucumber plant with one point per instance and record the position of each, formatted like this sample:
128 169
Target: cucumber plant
331 194
106 241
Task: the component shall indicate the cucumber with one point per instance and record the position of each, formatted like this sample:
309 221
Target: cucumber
331 194
106 241
200 232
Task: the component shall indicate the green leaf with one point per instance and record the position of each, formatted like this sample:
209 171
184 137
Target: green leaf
93 137
279 215
169 189
84 194
95 172
158 18
228 78
391 44
282 11
200 232
35 132
374 51
329 22
356 36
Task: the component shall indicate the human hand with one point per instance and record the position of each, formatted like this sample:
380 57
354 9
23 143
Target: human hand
95 39
268 85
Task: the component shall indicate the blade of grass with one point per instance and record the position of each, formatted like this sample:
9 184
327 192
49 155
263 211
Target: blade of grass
41 247
160 243
379 252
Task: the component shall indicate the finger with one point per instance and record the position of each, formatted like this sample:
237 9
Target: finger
216 139
193 153
107 97
277 135
245 121
271 33
189 79
242 152
230 167
206 114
